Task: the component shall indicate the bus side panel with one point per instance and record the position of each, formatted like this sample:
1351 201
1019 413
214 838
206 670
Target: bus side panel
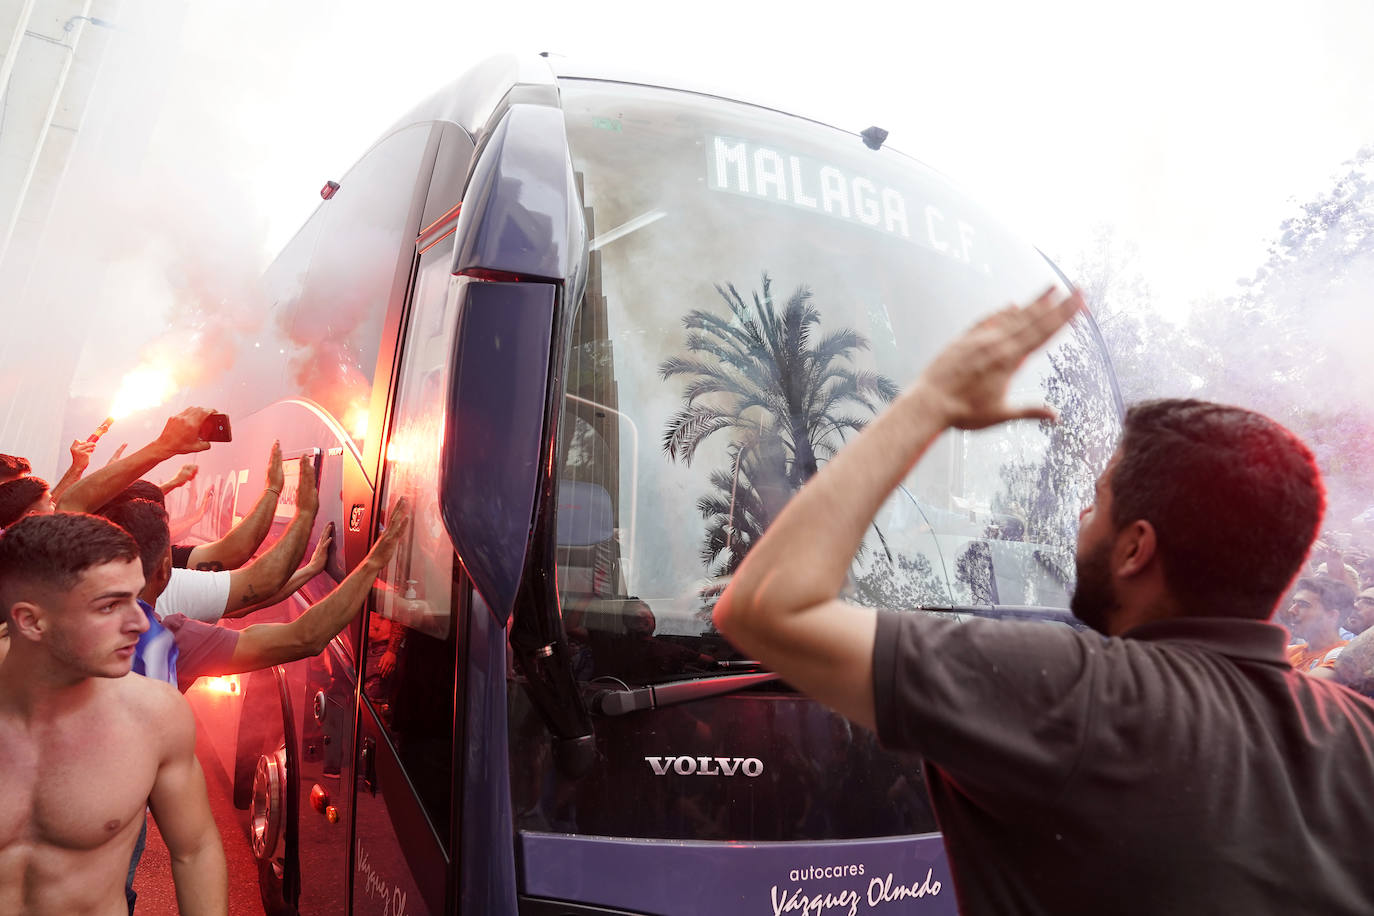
241 716
902 875
391 876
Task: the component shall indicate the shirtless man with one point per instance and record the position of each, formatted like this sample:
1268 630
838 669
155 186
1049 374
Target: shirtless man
83 747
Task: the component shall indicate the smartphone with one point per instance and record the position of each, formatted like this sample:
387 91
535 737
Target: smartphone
215 428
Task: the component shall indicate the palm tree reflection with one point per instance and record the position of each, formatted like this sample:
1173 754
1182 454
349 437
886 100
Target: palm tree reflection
785 399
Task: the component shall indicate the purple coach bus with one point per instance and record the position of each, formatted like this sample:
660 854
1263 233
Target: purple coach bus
598 331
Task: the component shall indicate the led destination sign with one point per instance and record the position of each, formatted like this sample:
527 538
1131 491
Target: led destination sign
766 173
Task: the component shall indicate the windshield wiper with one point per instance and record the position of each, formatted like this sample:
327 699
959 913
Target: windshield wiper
618 701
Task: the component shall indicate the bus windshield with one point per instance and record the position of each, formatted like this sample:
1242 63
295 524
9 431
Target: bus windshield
759 287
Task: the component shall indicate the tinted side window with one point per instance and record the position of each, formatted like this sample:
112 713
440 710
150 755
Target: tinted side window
450 169
412 652
333 330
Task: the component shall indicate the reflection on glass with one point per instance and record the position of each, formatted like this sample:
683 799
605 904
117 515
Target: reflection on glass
328 324
408 669
419 577
782 396
699 402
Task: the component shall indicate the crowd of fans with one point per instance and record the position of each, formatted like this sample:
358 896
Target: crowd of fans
159 604
1330 608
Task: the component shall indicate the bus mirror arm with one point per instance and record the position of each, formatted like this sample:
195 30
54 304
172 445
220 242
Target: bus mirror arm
499 495
552 689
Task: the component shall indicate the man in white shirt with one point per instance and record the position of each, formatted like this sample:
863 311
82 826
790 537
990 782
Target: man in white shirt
208 596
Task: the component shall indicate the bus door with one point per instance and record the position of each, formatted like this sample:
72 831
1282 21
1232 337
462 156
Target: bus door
405 766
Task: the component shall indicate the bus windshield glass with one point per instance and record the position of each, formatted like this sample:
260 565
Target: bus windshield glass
759 287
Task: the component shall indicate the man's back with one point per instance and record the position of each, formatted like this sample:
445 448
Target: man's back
1183 769
76 786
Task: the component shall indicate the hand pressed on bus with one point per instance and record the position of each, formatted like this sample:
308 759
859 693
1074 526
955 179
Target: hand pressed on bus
276 475
268 644
237 546
265 575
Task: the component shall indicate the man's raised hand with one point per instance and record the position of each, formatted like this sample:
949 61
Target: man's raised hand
81 453
184 475
397 521
276 477
181 434
320 557
307 489
968 380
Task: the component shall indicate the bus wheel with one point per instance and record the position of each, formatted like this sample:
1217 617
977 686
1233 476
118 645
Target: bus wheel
266 819
269 803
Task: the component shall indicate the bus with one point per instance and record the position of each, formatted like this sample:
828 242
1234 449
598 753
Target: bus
598 330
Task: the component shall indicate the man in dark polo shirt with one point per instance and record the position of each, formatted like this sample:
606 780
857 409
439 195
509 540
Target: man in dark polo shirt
1170 762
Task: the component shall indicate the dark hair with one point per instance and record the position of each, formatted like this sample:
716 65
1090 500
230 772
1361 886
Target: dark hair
1235 500
139 489
1335 595
146 522
54 550
16 496
13 466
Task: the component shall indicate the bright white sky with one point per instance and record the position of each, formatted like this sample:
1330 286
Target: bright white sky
1190 126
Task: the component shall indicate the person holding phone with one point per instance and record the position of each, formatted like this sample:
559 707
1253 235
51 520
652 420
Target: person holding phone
181 435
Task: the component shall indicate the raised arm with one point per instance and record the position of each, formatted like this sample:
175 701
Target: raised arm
184 475
265 575
178 528
180 436
313 567
181 808
81 459
241 542
266 644
781 606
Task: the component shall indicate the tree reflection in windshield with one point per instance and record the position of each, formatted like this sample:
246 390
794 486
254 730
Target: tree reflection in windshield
786 403
1025 553
785 399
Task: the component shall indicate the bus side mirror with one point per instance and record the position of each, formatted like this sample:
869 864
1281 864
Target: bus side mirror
489 471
